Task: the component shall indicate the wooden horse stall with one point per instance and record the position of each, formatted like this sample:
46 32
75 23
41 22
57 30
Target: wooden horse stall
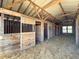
28 32
10 27
17 31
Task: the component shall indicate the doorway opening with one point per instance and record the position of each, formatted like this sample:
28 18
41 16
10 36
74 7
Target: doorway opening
38 32
45 31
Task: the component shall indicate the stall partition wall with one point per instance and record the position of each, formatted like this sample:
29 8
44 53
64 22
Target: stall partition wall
11 32
27 33
14 34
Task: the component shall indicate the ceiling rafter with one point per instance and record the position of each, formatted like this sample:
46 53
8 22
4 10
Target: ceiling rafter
20 6
67 14
26 8
42 9
31 9
52 3
8 6
35 12
12 2
43 15
63 10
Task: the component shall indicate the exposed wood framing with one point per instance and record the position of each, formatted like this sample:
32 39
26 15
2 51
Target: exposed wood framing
35 12
12 3
42 9
41 16
8 6
20 6
67 14
15 2
62 10
52 3
46 18
27 8
31 9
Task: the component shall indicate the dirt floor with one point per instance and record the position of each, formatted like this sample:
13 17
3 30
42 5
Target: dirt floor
59 47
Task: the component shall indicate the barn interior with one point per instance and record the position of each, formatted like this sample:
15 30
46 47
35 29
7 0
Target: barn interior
39 29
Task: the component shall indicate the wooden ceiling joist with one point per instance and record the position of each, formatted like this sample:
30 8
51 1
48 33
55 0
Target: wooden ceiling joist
15 2
31 10
12 2
35 12
67 14
20 6
27 8
52 3
42 9
62 10
8 6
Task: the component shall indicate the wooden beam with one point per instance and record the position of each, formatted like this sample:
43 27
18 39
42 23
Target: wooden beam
10 5
35 12
41 14
67 14
46 17
27 8
20 6
42 9
52 3
62 10
31 9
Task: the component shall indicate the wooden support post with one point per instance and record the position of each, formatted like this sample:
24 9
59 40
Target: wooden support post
77 31
42 31
1 26
21 41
